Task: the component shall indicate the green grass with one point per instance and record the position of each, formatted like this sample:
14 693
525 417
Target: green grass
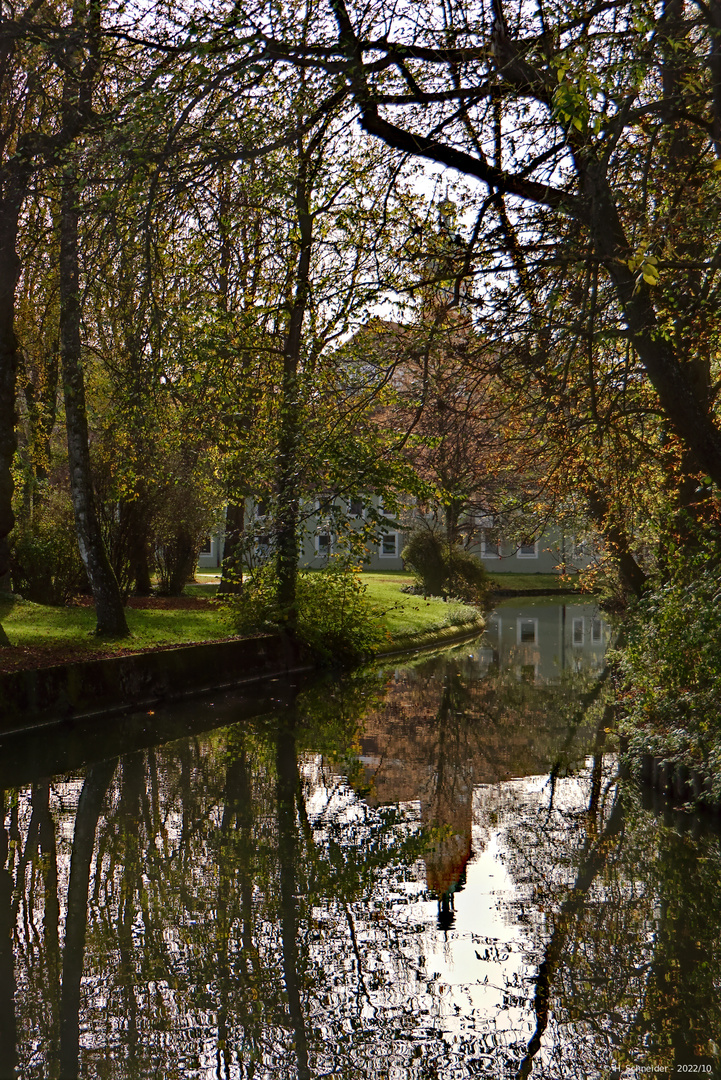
34 626
522 583
69 631
409 617
202 588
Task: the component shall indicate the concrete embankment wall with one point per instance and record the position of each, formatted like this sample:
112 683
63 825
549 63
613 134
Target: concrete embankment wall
139 679
113 684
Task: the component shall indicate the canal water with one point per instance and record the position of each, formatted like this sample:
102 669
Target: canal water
426 869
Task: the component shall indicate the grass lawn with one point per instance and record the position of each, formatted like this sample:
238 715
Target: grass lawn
523 583
408 617
42 635
57 634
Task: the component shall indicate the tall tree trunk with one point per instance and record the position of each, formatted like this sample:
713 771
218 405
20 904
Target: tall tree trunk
106 592
287 546
10 207
231 581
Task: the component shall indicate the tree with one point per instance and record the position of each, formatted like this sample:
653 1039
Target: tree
594 132
305 249
82 62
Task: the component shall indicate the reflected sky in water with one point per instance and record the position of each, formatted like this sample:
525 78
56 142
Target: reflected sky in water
423 870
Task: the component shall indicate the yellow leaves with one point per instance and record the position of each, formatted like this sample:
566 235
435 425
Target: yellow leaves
647 267
649 272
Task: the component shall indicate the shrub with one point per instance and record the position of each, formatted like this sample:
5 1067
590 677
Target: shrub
180 524
444 569
256 606
45 561
671 671
333 614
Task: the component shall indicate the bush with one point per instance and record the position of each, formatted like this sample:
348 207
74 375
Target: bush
180 524
444 569
671 671
45 561
333 614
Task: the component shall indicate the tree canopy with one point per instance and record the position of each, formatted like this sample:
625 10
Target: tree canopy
248 189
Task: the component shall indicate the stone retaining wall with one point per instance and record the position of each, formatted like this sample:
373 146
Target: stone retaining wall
131 681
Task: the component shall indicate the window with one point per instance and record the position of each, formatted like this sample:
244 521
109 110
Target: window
207 548
580 548
490 545
578 631
263 540
389 545
527 631
261 508
596 632
323 543
355 508
528 550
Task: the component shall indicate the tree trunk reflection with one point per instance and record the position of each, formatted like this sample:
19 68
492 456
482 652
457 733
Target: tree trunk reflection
97 782
8 1030
288 784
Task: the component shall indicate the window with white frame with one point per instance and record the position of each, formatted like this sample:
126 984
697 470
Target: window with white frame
207 548
528 550
388 548
527 631
596 632
578 631
323 543
355 507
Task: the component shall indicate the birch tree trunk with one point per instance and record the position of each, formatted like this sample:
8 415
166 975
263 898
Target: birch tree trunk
106 592
14 188
287 508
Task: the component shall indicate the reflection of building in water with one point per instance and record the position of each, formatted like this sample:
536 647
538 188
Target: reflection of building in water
443 731
450 812
539 640
417 749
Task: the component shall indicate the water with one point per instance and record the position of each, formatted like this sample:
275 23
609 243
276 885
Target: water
425 870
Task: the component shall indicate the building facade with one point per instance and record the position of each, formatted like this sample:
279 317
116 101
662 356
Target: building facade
553 552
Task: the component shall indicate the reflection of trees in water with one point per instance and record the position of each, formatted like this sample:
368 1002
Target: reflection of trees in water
245 913
440 732
8 1036
626 937
192 910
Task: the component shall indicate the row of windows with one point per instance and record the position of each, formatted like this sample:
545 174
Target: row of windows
387 548
527 631
573 548
491 549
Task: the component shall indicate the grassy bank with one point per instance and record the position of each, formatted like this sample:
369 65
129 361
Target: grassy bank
411 619
40 635
526 584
